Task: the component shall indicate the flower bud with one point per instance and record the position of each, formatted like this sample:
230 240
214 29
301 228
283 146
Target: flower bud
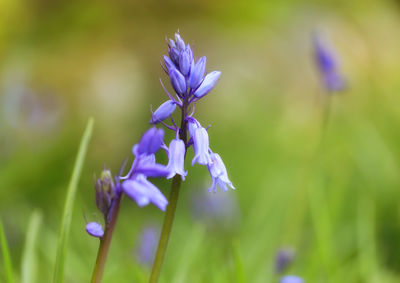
180 44
105 191
185 61
178 81
163 112
168 63
94 229
208 84
197 72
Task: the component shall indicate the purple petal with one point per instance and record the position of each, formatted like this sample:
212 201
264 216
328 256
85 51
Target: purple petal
184 62
153 170
151 141
197 72
176 156
208 84
94 229
163 112
201 147
178 81
291 279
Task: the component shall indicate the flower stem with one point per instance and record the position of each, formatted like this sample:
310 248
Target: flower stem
105 242
171 208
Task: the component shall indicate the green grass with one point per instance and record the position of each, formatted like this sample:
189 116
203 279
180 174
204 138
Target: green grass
8 269
69 204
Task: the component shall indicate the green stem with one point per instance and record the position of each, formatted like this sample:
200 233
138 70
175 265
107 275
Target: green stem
171 208
105 242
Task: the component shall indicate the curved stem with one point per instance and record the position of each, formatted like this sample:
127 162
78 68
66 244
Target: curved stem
105 242
171 208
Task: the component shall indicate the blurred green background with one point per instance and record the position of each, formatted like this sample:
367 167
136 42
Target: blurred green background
335 205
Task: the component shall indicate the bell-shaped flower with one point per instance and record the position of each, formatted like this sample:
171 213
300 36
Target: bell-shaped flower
163 112
185 60
178 81
197 72
143 192
201 146
176 156
208 84
150 142
192 125
94 229
218 173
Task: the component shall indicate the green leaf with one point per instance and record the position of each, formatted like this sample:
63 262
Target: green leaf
6 255
28 258
69 203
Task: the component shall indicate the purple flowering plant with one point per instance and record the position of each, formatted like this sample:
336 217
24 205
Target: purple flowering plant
190 83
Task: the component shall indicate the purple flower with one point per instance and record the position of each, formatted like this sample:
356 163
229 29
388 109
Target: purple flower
151 141
291 279
218 173
283 258
94 229
180 44
168 63
143 192
208 84
328 66
201 146
178 81
163 112
197 72
185 60
176 156
147 245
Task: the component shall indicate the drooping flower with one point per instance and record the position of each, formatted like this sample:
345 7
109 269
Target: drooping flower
163 112
201 146
95 229
151 141
143 192
176 156
291 279
135 184
327 63
218 173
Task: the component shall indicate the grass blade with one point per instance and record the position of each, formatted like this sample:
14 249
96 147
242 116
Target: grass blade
6 255
28 258
69 202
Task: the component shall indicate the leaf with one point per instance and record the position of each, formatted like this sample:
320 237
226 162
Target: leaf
6 255
28 258
69 203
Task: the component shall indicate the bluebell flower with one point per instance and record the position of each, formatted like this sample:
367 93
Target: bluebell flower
197 72
163 112
218 173
178 81
95 229
201 146
180 44
176 156
283 258
147 245
327 64
135 184
151 141
144 192
291 279
185 60
208 84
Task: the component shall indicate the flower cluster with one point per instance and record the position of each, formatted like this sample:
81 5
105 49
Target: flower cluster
328 66
190 84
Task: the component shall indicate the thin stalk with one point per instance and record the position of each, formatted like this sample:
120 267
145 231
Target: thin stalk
171 208
105 242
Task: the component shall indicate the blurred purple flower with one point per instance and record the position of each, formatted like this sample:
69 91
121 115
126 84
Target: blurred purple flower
147 245
291 279
284 257
327 63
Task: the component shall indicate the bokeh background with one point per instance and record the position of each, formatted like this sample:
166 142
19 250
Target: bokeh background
334 203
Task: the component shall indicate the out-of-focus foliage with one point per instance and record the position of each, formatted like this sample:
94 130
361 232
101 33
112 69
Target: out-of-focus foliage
335 204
